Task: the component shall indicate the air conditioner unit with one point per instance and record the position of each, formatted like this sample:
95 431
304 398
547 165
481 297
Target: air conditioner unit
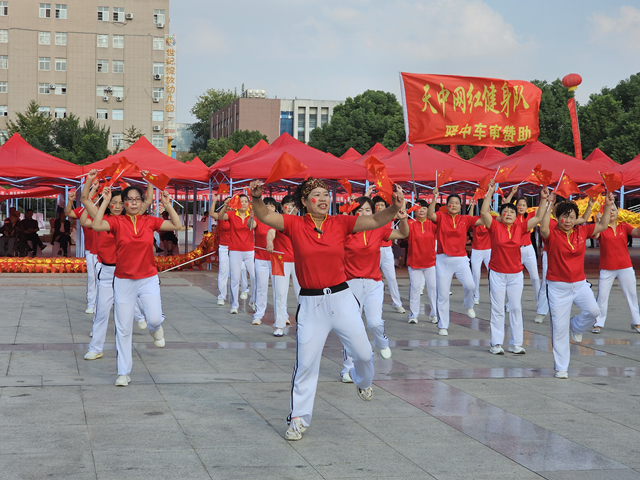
156 100
105 99
157 128
118 99
52 85
109 89
157 76
129 16
160 25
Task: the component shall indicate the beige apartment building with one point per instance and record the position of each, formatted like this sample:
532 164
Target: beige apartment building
103 59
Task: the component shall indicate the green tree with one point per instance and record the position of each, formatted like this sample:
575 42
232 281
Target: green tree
554 120
34 126
597 118
81 144
209 102
132 135
216 149
361 122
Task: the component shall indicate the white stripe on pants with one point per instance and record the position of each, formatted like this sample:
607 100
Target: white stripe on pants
92 278
529 261
126 293
236 258
417 278
263 272
446 268
477 258
370 296
562 296
280 285
387 265
627 279
511 285
543 302
317 316
223 271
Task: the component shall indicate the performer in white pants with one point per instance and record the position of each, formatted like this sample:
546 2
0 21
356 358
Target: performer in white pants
364 279
326 303
505 269
262 263
136 276
615 262
480 253
527 251
566 281
451 256
421 262
387 262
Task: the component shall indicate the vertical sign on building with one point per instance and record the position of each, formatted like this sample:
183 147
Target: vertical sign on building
170 90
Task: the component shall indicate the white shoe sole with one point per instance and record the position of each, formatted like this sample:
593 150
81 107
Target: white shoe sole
96 356
385 353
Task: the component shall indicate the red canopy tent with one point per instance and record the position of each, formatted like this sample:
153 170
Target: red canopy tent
631 172
378 151
224 160
603 161
37 192
350 155
487 155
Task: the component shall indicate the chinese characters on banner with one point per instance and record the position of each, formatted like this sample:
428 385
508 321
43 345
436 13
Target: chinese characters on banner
170 90
454 110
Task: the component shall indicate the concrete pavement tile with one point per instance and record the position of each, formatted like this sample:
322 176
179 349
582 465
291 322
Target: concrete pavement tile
119 436
204 377
21 381
94 394
60 465
622 447
40 396
575 427
531 404
42 414
57 380
43 439
148 413
198 393
265 473
130 464
515 472
168 361
628 419
41 362
487 386
227 430
621 474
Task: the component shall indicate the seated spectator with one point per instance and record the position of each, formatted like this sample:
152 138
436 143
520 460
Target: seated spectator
169 239
11 233
31 227
62 233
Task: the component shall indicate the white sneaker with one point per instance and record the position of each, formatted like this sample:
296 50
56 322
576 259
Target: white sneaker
635 328
365 394
287 322
220 301
471 312
92 355
158 337
433 319
256 321
346 378
443 332
422 291
91 333
517 350
562 375
413 320
244 296
400 309
539 318
253 305
123 380
278 332
496 350
295 430
233 310
577 337
476 302
385 353
142 324
89 311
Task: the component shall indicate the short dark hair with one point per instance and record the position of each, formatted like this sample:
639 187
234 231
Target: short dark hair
423 203
565 208
454 196
270 201
362 201
29 210
126 191
287 199
244 195
523 199
510 206
115 193
379 199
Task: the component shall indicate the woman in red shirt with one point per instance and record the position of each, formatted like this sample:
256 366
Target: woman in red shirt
262 263
135 274
566 281
325 304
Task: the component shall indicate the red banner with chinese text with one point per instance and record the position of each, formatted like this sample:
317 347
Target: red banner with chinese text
454 110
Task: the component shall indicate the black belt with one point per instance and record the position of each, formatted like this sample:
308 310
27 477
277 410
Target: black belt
314 292
109 264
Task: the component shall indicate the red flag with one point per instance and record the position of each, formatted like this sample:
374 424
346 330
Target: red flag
567 187
594 191
503 173
480 194
107 172
540 177
484 183
499 190
286 166
348 207
160 181
123 167
444 176
613 181
384 185
416 206
346 184
277 264
222 188
235 203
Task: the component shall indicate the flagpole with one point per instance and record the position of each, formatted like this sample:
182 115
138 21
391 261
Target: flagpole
413 178
262 248
185 263
558 185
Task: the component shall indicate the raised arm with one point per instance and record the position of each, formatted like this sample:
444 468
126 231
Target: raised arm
222 214
85 221
174 223
514 190
271 235
380 219
603 223
431 211
260 210
403 230
99 223
148 199
485 210
68 208
212 208
546 216
535 220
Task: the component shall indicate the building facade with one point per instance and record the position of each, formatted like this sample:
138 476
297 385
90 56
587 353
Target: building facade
103 59
272 117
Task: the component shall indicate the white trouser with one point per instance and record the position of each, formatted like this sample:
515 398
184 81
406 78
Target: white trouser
280 285
562 296
387 265
417 278
316 317
244 286
543 302
126 294
511 285
92 278
446 268
477 258
223 271
370 296
263 272
627 279
529 261
236 259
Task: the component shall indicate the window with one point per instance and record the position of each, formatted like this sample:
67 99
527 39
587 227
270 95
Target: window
158 16
103 66
158 68
102 114
61 89
118 66
103 14
4 36
100 90
61 64
118 14
324 116
313 118
118 41
44 89
45 10
60 112
158 92
4 9
301 124
4 87
4 135
61 38
4 111
117 140
157 141
117 114
61 11
46 111
44 63
158 116
158 43
103 41
44 38
286 122
4 62
117 91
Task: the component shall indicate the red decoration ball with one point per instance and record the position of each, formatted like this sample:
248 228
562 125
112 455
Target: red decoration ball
572 80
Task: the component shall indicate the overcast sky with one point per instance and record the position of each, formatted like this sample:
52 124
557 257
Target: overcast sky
333 49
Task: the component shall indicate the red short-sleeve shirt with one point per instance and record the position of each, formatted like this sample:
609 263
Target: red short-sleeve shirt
422 244
261 231
505 247
105 244
224 232
385 242
451 233
134 244
282 243
481 239
362 253
565 253
319 257
614 254
241 234
523 219
89 239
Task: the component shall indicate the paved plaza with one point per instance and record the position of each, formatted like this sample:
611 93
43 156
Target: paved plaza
212 404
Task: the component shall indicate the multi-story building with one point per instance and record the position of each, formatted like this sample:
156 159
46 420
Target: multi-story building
272 117
104 59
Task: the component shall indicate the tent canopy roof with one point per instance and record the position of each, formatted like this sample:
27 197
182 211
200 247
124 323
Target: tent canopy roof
602 160
378 151
487 155
350 155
